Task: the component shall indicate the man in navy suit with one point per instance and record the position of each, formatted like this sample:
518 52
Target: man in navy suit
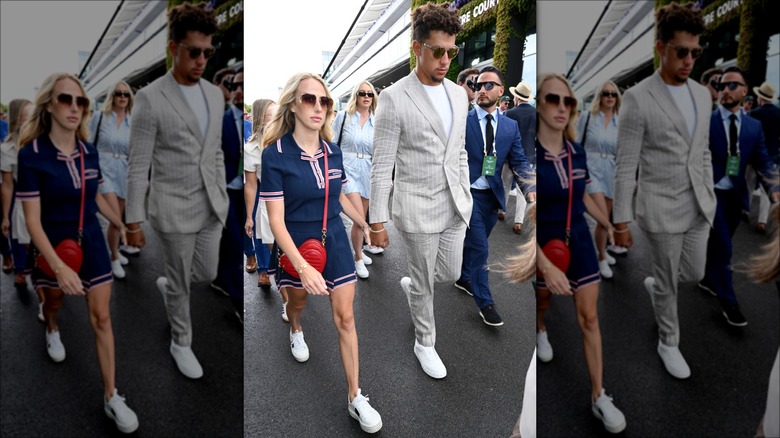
230 270
525 116
491 140
736 140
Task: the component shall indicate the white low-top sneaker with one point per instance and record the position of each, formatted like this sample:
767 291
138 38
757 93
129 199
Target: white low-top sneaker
604 269
430 361
360 269
544 350
186 361
406 286
54 346
116 269
284 312
124 417
673 361
300 350
617 249
367 260
122 259
604 410
373 249
129 249
360 410
611 260
41 318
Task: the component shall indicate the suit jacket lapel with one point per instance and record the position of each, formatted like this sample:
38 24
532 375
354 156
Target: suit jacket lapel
476 130
421 100
173 93
664 98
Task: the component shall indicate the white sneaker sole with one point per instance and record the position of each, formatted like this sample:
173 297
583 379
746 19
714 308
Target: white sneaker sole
610 427
122 428
366 427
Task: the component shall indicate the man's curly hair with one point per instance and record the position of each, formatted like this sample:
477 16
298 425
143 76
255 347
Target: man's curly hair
187 17
676 17
430 17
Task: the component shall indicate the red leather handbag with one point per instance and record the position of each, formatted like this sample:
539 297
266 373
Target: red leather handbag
68 250
557 250
312 250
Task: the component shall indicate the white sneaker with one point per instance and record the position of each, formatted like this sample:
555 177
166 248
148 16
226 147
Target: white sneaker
673 361
284 312
611 260
373 249
41 318
186 361
430 361
300 350
54 346
116 269
122 259
367 260
117 410
129 249
604 410
360 269
604 269
360 410
406 286
617 249
544 350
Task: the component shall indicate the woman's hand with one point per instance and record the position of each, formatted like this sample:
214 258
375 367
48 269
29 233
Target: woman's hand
367 234
248 225
556 281
123 234
69 281
312 281
611 234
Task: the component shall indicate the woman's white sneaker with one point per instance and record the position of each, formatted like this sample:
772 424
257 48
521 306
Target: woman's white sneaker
122 259
604 269
124 417
360 269
544 350
611 260
604 410
41 318
360 410
284 312
54 346
373 249
116 269
300 350
367 260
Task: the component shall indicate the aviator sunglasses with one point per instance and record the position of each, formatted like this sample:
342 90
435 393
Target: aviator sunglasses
67 100
682 52
438 51
196 51
365 93
730 85
555 100
311 100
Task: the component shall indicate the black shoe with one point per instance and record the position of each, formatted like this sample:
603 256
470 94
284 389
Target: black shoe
733 315
490 316
707 287
465 286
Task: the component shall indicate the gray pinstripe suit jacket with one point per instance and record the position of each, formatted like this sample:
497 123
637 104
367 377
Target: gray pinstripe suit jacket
675 171
188 172
431 170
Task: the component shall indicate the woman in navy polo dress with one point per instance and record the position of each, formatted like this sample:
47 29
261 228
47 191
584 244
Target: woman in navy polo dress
50 187
296 142
557 109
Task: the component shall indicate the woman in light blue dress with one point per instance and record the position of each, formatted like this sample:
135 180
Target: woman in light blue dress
353 131
597 133
110 133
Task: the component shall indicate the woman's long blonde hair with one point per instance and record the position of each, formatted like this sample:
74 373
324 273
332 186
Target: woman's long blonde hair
284 119
108 105
521 267
259 108
352 103
570 131
40 122
595 106
765 266
15 110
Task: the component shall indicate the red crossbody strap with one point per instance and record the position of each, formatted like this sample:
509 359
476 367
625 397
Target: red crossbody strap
83 190
327 193
571 193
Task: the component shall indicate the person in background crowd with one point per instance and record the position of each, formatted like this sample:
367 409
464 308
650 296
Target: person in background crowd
353 131
110 134
504 104
748 103
525 116
468 80
302 174
223 79
176 132
59 176
597 133
13 226
769 116
563 172
710 79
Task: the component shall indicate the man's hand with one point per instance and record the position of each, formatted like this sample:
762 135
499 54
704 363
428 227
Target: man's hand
623 236
135 235
379 235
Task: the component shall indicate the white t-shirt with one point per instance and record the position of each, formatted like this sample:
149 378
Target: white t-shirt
684 100
197 101
438 96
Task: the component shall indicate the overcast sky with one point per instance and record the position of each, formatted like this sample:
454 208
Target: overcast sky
563 26
38 38
282 38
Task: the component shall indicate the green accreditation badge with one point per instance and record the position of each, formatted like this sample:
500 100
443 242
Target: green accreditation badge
732 166
489 165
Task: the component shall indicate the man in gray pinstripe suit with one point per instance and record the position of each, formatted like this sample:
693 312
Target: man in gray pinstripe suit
664 131
420 129
177 129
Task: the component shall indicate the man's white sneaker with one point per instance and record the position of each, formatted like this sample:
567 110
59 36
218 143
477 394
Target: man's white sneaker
604 269
673 361
373 249
360 269
122 259
284 312
544 350
54 346
617 249
360 410
367 260
116 269
186 361
430 361
406 286
611 260
300 350
604 410
117 410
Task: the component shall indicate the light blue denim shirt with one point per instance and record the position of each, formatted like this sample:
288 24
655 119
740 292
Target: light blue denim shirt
113 139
